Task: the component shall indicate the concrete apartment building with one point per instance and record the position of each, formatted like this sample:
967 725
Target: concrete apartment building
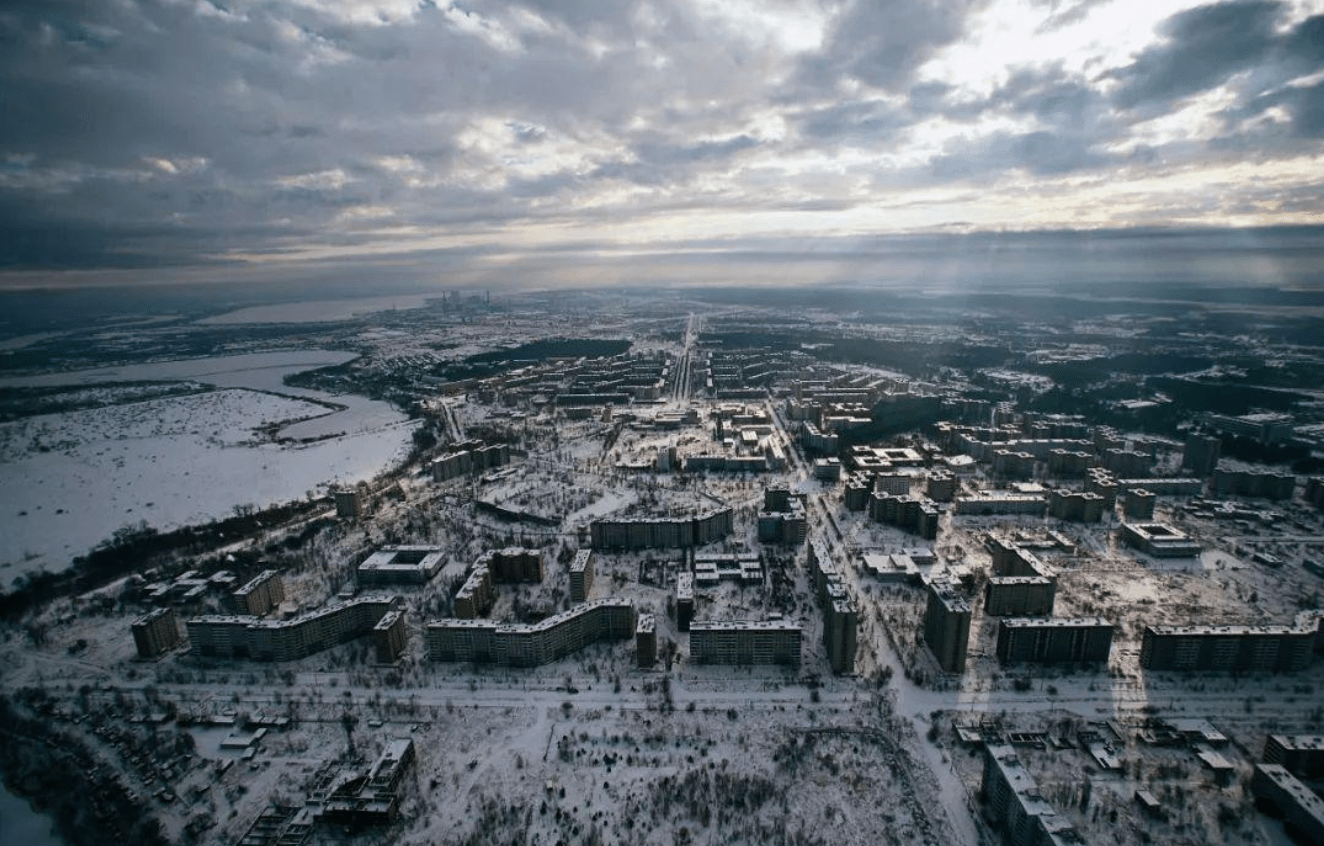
1081 507
156 633
912 513
263 593
684 601
947 626
350 502
645 641
1254 483
287 640
581 575
531 645
1300 806
783 519
1300 754
1138 503
505 566
1000 502
400 565
389 638
678 533
1201 454
1048 640
469 459
1015 807
841 616
1020 596
745 642
1281 649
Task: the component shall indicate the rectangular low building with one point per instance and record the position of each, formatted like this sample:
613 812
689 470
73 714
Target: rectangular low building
400 565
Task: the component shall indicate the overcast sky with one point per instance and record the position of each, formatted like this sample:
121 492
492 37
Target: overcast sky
210 135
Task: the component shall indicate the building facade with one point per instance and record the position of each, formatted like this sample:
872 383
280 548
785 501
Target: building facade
745 642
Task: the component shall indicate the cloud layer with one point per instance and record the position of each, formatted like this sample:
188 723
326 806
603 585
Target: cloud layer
138 134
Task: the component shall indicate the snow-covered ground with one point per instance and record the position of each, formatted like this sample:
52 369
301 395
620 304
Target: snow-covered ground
72 479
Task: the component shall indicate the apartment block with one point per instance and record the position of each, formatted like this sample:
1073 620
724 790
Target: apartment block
1300 754
947 626
1020 596
287 640
263 593
1047 640
1080 507
681 533
1014 805
389 638
530 645
581 575
1299 804
349 502
1201 454
1254 483
684 601
156 633
1138 503
645 641
1282 649
745 642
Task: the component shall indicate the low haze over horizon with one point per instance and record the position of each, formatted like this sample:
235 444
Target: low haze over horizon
592 142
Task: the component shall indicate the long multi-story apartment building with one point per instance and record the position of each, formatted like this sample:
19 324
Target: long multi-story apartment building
1049 640
745 642
841 616
531 645
661 533
1298 804
1015 806
1282 649
287 640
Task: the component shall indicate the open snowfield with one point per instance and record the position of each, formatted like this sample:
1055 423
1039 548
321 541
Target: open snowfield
72 479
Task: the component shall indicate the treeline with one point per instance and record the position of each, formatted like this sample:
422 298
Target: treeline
554 348
135 548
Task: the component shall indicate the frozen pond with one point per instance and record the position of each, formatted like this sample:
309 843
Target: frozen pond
72 479
21 823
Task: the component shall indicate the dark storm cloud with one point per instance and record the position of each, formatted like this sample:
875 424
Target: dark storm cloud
881 44
1204 47
137 132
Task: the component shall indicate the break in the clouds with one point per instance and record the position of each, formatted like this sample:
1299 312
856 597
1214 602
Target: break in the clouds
209 134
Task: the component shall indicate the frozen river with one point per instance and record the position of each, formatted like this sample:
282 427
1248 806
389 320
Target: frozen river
72 479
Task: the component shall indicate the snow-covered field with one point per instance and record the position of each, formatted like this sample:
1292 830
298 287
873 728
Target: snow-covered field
72 479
